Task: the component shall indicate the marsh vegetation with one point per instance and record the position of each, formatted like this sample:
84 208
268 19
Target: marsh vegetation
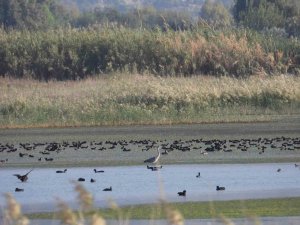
135 99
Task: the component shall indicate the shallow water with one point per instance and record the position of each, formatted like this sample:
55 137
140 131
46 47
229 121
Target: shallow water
137 184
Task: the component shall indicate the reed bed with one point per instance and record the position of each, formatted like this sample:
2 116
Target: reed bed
145 99
65 54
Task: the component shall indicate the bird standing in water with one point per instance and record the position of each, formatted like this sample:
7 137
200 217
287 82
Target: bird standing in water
154 159
24 177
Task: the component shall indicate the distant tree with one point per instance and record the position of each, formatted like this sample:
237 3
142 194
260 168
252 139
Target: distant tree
147 17
293 26
216 14
8 11
165 19
30 14
262 14
266 14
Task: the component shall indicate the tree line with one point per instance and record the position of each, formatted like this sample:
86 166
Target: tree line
277 16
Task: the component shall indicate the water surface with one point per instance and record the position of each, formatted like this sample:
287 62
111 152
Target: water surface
137 184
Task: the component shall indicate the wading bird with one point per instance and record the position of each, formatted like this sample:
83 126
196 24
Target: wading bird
154 159
23 178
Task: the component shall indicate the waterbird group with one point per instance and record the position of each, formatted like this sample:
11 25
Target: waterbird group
48 153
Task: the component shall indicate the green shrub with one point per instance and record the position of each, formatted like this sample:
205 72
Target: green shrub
71 54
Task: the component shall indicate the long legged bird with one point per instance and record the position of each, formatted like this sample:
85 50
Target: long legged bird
24 177
154 159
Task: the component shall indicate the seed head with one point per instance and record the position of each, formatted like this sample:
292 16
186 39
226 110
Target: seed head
13 208
97 220
85 198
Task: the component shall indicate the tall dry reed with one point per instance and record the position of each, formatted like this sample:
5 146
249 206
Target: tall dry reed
143 99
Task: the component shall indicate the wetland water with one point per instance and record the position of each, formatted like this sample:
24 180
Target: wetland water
137 184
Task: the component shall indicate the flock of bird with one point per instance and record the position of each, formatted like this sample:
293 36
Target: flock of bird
24 178
155 159
45 151
154 167
49 152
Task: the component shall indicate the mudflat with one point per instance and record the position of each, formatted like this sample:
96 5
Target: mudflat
274 141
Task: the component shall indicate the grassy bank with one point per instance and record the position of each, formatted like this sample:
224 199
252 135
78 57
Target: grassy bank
229 209
139 99
200 210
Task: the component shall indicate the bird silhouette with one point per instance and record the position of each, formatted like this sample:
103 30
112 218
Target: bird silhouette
61 171
24 177
19 190
182 193
218 188
98 171
107 189
154 159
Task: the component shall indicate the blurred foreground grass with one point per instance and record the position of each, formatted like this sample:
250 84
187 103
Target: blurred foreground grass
202 210
174 213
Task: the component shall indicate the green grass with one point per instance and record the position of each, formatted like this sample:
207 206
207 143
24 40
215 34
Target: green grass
199 210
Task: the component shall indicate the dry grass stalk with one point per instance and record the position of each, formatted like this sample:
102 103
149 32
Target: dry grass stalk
174 217
13 214
226 220
66 215
97 220
85 198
